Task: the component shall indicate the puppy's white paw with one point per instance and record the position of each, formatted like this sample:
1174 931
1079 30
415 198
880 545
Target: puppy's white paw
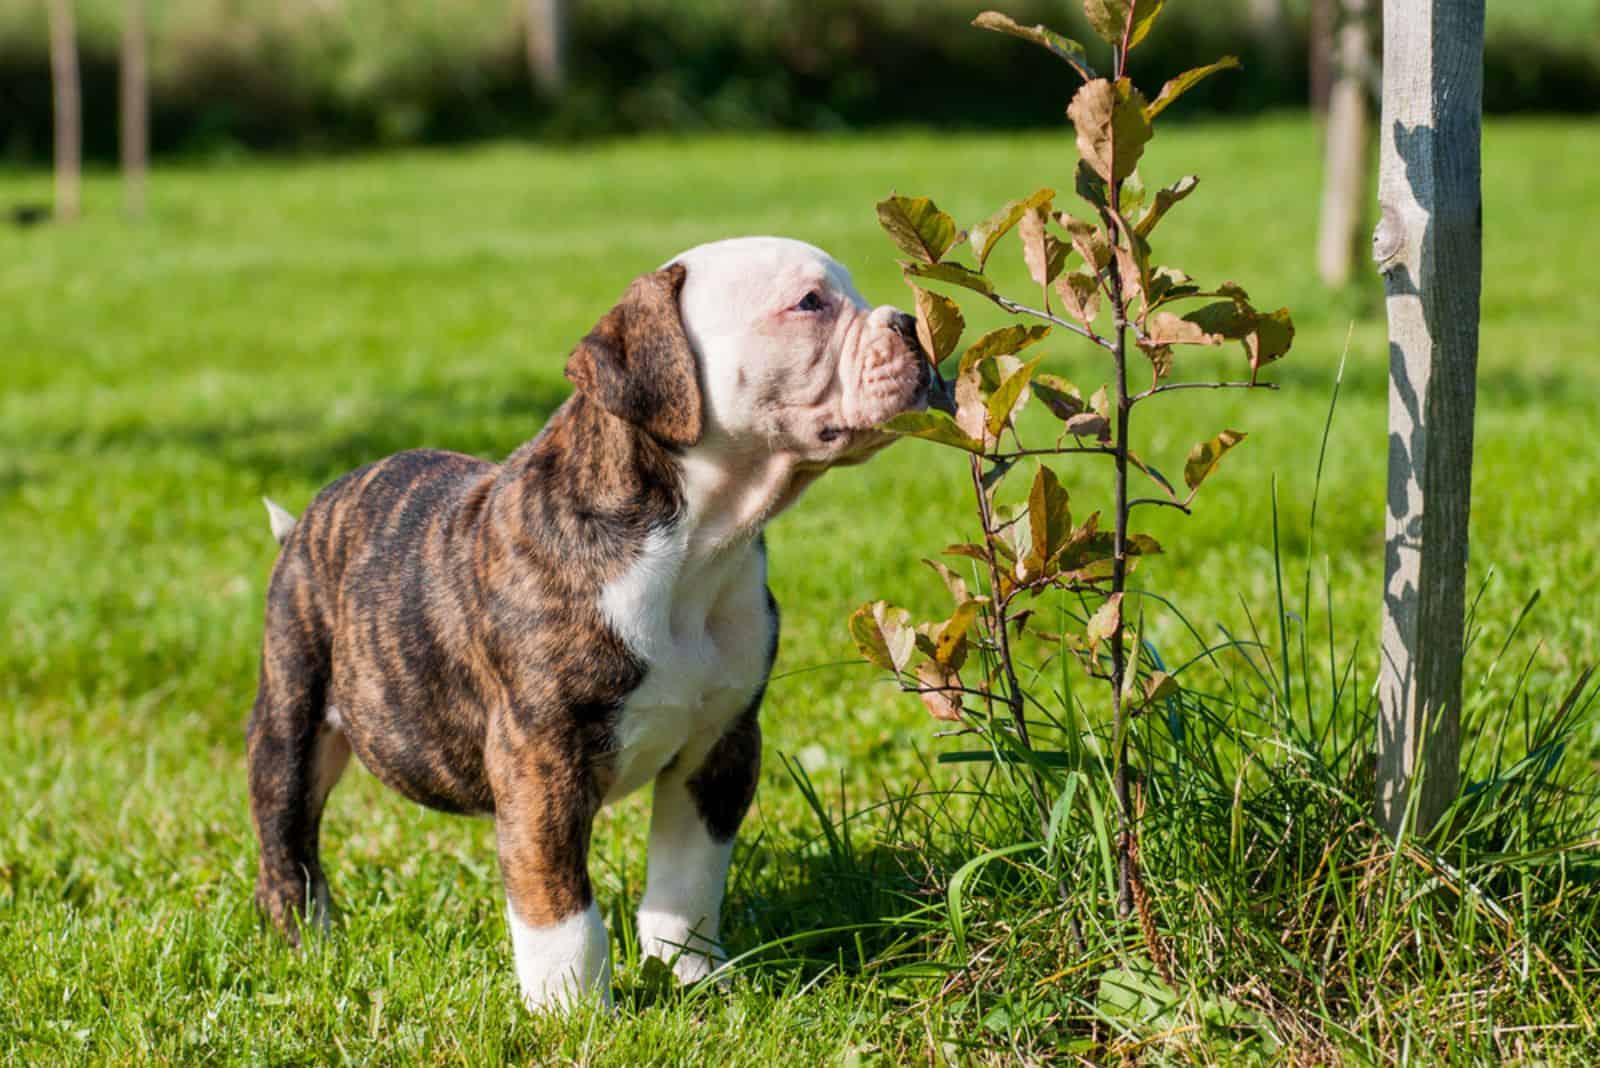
564 963
677 941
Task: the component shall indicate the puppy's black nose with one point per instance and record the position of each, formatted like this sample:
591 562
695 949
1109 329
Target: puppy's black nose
904 325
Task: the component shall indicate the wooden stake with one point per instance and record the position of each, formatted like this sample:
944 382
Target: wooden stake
1429 246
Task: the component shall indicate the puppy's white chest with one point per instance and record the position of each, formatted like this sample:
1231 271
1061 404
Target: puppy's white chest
704 633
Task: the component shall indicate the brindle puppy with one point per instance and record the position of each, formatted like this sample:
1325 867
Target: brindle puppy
535 639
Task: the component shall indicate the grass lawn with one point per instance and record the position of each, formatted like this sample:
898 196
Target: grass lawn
277 323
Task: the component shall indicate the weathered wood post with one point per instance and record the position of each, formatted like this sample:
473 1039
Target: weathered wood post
68 109
135 127
1428 245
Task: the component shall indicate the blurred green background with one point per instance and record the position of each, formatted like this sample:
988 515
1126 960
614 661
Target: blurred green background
320 74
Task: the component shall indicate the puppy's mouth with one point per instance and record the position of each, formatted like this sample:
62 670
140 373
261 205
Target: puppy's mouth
857 443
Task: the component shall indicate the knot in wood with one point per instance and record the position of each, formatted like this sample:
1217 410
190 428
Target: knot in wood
1388 239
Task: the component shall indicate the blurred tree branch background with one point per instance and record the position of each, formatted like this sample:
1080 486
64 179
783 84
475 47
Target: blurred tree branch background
330 74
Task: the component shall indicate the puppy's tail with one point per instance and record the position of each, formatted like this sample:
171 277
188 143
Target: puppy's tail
282 522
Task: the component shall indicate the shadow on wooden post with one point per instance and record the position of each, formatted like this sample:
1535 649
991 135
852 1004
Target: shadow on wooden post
1429 246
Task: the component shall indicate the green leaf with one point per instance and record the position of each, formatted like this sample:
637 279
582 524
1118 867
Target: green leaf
933 425
1176 87
1006 341
1159 685
939 323
1091 187
884 635
1137 998
950 638
1265 337
1112 126
1169 283
1165 198
1223 318
1154 475
1142 545
1271 338
1049 518
1205 456
922 231
954 273
1006 397
1043 36
1110 18
1106 621
992 229
1132 195
1059 395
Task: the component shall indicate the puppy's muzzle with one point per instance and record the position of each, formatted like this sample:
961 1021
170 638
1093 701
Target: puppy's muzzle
932 390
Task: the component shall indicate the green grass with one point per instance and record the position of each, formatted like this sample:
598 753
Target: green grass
273 325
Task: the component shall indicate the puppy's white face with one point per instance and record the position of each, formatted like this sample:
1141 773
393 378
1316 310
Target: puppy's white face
792 358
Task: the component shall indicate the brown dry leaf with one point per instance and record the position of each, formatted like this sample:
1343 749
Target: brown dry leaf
1080 295
1041 251
1164 328
940 703
939 323
1112 127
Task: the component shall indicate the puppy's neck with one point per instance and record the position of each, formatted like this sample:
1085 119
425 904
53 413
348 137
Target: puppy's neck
730 495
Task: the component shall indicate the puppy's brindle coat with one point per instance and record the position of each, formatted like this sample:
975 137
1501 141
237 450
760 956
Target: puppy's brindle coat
538 638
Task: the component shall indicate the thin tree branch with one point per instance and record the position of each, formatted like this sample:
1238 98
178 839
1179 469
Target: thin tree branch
1066 324
946 689
1172 386
1119 550
1013 688
1096 450
1179 505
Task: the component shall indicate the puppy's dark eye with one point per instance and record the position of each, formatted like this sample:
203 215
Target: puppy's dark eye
811 302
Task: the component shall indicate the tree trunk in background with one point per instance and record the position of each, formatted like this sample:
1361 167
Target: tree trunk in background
1320 62
1269 25
135 106
68 109
547 44
1429 245
1344 173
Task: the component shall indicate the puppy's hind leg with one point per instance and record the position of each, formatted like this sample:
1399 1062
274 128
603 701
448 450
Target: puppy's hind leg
296 753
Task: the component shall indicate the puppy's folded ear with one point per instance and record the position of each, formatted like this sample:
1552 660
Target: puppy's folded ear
637 363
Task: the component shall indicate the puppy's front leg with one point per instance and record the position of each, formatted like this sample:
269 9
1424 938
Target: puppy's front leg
693 818
545 804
